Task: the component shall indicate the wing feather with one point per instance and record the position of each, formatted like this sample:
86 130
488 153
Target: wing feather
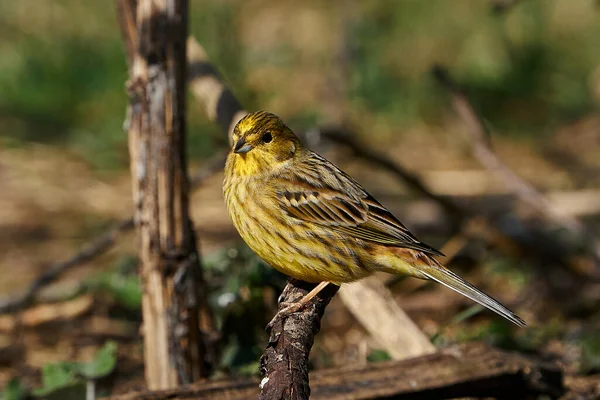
344 205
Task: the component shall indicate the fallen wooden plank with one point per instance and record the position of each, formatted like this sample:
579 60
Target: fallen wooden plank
473 370
373 305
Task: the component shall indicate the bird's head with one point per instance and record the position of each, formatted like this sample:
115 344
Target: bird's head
261 142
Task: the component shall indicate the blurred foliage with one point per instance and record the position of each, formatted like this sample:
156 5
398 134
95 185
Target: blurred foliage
590 348
378 355
66 379
102 364
14 390
121 283
242 289
62 68
242 294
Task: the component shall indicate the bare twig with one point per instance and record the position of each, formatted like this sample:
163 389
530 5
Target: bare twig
96 247
411 179
93 249
35 316
220 104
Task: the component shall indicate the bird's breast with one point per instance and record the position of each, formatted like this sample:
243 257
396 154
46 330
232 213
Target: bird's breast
300 249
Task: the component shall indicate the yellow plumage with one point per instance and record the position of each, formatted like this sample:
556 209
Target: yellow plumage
313 222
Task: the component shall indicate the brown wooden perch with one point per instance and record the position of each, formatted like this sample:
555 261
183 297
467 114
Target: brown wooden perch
284 364
473 370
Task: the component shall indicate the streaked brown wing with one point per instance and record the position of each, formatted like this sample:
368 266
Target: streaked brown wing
361 217
324 208
387 229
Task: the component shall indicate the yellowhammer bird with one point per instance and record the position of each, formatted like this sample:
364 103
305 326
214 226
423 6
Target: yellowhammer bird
313 222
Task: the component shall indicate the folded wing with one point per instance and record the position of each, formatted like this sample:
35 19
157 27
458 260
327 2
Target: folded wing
344 205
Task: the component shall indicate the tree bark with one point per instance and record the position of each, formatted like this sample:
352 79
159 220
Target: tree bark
284 364
173 302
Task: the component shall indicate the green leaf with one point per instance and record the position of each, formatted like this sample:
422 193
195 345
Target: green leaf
590 349
125 289
57 376
62 380
14 390
462 316
378 355
104 362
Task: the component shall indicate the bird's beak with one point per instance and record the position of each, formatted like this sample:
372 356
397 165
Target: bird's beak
241 147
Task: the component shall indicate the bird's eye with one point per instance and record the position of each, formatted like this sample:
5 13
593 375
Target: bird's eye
267 137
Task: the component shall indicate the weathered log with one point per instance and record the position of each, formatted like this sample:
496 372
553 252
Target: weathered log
472 370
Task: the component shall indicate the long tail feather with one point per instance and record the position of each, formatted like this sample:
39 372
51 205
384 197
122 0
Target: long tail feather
449 279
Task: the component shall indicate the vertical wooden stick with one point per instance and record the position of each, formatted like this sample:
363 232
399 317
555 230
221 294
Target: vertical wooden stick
174 347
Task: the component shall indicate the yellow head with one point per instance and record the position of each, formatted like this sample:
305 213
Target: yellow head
262 142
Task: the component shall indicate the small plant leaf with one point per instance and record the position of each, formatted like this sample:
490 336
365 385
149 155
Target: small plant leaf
104 362
378 355
56 376
14 390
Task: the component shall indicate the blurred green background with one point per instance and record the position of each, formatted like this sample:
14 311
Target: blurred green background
529 70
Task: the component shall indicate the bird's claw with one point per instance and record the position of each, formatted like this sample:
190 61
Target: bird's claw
289 308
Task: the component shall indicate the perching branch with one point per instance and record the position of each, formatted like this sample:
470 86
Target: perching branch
284 365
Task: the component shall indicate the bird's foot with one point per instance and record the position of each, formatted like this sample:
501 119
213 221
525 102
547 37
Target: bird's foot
289 308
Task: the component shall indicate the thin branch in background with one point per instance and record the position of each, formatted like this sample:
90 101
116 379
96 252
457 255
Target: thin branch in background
478 138
96 247
374 306
411 179
93 249
211 166
220 105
